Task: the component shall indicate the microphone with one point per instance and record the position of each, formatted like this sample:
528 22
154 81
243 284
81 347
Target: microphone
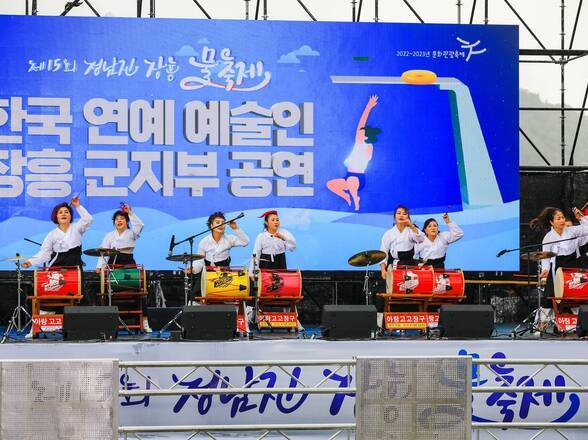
171 245
501 253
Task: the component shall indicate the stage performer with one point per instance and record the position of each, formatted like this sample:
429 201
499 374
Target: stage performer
63 245
349 186
553 220
127 230
434 245
269 250
216 247
399 242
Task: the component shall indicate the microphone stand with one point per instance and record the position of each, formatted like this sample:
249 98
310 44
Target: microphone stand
191 238
527 251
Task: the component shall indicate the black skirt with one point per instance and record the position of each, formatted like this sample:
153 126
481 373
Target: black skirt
279 261
122 259
405 258
71 257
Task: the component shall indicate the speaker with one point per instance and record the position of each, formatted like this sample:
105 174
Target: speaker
90 322
582 325
159 317
348 321
214 322
466 320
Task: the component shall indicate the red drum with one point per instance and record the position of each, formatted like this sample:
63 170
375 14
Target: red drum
410 279
449 282
54 281
571 283
279 283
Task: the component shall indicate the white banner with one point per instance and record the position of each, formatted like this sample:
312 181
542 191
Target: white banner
303 408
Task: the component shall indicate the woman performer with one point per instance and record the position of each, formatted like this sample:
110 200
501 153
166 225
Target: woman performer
358 160
554 220
434 246
216 247
269 250
63 245
398 243
127 230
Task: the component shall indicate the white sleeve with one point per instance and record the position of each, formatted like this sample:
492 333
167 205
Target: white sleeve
385 243
105 244
198 265
289 240
239 239
418 237
256 254
418 248
44 254
137 225
546 262
85 219
454 234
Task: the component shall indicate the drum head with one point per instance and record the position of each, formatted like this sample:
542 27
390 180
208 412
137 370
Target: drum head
203 279
558 283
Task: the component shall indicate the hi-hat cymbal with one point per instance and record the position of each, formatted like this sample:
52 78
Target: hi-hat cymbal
185 257
15 258
536 256
366 258
101 252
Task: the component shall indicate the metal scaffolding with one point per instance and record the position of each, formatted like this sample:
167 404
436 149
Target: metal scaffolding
465 11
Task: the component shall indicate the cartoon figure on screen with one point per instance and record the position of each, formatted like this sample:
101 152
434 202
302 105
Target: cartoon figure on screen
349 186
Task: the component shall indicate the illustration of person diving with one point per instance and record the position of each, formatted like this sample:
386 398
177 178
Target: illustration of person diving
349 186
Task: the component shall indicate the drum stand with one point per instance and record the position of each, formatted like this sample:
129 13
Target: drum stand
159 296
109 292
529 324
366 285
15 319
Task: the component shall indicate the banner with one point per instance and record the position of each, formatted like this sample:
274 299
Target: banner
333 124
311 408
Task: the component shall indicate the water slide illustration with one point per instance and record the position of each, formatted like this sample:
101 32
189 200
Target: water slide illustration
478 183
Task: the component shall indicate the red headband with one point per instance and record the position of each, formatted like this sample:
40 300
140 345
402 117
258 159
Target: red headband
266 213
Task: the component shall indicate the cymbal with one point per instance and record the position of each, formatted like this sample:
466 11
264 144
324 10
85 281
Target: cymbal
101 252
185 257
366 258
536 256
16 258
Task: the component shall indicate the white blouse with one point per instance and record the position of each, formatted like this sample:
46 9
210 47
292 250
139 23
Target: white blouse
394 241
564 247
266 243
58 241
114 240
431 250
214 251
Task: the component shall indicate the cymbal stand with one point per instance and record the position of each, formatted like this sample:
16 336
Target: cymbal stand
15 319
187 279
366 285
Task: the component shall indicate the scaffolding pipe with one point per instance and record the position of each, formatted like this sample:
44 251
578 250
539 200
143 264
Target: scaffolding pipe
562 67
